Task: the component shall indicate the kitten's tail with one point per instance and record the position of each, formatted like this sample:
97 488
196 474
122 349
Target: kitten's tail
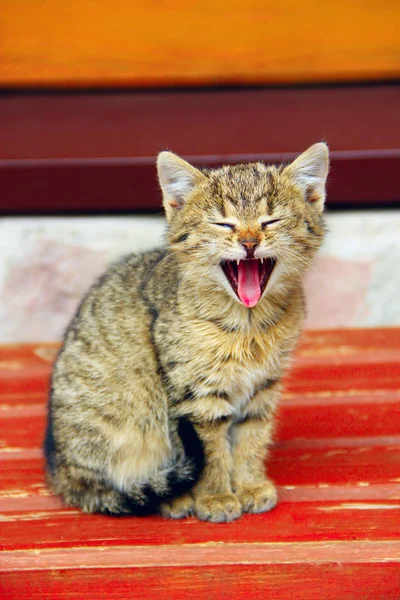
83 488
180 479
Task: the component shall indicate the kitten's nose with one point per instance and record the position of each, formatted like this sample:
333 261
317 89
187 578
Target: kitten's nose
249 243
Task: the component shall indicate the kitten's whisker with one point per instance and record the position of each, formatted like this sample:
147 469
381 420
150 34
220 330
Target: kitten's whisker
308 263
187 273
286 258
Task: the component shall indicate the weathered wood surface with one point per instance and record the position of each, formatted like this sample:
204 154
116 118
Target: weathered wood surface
336 461
128 43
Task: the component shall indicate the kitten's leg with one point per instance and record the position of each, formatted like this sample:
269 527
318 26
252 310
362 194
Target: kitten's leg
211 419
250 439
214 499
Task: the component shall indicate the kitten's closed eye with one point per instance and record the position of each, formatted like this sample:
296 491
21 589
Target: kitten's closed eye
226 225
266 224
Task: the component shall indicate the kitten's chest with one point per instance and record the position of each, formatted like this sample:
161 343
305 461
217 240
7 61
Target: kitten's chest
234 364
239 379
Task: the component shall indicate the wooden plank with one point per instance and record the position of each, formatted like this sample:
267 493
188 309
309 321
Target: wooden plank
22 425
305 424
310 379
342 361
88 152
75 44
344 346
368 581
296 522
22 473
343 377
326 466
334 533
38 498
350 345
318 378
204 554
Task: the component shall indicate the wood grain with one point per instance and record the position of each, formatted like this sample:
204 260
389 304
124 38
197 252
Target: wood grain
317 522
334 534
222 582
147 44
22 473
204 554
299 425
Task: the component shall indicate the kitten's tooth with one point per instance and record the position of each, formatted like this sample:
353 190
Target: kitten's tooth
237 262
262 260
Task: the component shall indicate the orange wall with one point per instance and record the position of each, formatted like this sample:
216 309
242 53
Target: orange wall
154 42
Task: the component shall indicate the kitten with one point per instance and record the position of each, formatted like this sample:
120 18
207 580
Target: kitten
164 392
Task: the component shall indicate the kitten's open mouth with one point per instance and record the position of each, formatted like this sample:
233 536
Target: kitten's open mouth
249 277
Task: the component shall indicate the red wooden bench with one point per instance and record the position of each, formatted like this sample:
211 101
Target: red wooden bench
335 533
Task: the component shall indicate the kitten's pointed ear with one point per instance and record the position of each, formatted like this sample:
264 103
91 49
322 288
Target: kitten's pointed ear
177 179
310 171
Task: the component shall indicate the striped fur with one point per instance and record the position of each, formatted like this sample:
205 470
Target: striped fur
165 389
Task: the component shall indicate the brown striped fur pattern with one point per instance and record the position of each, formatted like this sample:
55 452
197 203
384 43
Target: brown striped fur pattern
164 392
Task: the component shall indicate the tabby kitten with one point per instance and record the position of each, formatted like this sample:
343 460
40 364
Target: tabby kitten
164 392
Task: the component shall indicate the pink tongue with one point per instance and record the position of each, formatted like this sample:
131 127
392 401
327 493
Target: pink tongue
249 289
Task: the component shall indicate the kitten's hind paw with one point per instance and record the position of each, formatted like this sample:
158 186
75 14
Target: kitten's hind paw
221 508
258 498
178 508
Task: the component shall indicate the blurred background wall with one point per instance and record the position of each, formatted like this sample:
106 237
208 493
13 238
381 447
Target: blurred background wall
90 92
155 43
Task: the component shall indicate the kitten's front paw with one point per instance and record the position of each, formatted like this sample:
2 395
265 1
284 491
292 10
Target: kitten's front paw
221 508
178 508
258 498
